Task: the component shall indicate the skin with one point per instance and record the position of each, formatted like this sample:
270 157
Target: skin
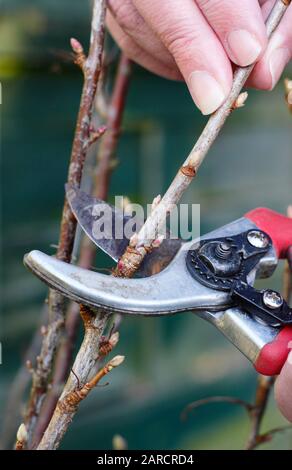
200 41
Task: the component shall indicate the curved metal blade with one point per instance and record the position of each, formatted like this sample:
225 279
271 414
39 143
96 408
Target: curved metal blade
172 290
89 211
86 207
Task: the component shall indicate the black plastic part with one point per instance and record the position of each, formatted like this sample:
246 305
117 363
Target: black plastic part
224 264
252 301
206 263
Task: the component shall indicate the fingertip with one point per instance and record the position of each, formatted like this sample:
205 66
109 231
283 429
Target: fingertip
240 27
207 93
269 69
260 78
243 47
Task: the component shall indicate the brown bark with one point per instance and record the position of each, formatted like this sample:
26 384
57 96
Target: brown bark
105 156
91 69
82 367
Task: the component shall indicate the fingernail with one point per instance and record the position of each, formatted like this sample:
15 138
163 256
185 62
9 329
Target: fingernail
277 60
244 48
206 92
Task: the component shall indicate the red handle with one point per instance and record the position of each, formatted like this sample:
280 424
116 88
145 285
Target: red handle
278 226
273 355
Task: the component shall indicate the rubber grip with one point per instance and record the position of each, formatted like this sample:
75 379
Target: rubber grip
273 355
278 226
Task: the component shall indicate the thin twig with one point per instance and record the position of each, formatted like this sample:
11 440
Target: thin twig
91 69
105 156
108 146
135 253
69 403
83 365
265 385
268 436
216 399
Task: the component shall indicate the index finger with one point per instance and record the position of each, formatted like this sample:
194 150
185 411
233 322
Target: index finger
199 54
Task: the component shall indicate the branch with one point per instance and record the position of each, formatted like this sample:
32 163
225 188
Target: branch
268 436
265 385
83 365
91 69
255 410
134 255
69 403
216 399
105 155
60 421
109 144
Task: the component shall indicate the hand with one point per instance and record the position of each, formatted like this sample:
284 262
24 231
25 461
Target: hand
283 389
198 40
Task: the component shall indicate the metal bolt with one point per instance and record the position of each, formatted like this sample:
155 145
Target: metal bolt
257 239
272 299
223 250
225 246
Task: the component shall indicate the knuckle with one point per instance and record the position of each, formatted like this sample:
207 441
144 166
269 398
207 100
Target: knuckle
125 14
179 40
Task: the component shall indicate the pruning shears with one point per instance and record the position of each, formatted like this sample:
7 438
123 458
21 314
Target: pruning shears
212 276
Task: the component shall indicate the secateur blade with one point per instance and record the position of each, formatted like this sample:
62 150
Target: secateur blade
88 210
170 291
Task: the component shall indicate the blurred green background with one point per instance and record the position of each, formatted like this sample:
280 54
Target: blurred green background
169 361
